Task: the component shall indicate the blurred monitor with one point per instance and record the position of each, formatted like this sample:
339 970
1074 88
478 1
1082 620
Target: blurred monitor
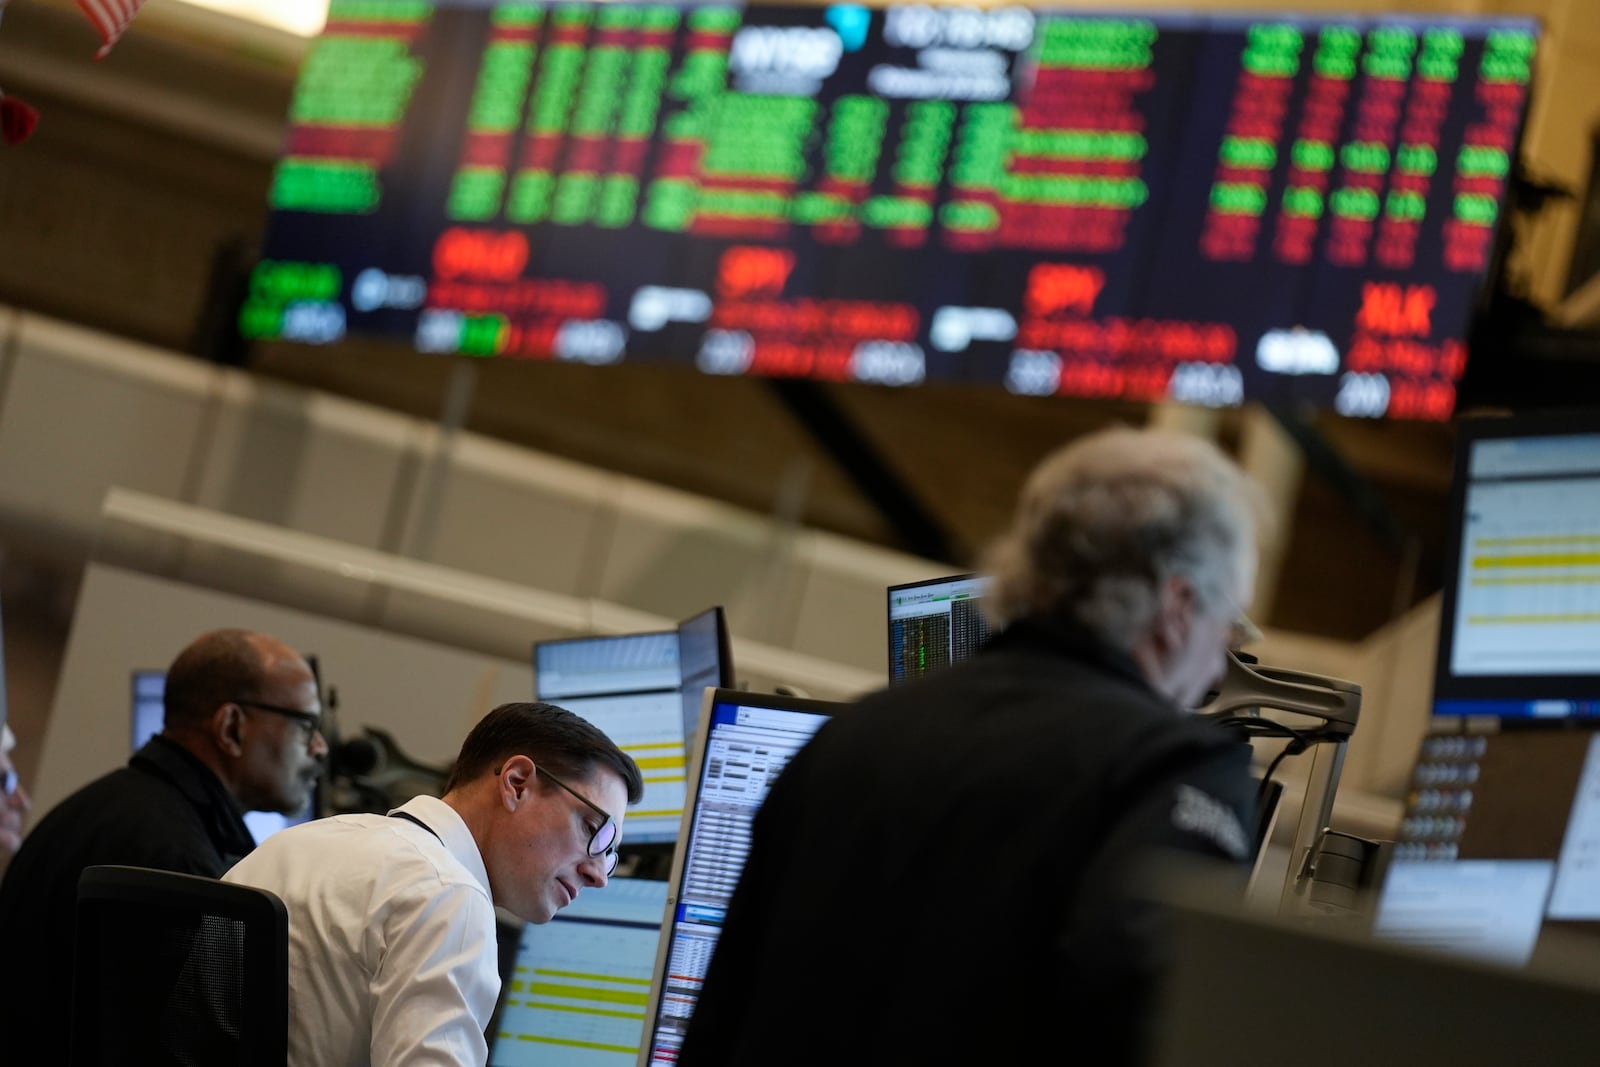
933 624
1498 855
577 988
1227 999
635 687
744 741
148 711
148 715
1520 628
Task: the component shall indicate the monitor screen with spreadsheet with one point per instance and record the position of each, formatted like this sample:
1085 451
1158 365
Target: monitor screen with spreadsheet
579 984
636 687
1498 855
745 740
933 624
1520 629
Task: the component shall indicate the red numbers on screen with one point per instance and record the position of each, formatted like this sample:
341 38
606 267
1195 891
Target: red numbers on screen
483 254
1396 310
1057 287
748 271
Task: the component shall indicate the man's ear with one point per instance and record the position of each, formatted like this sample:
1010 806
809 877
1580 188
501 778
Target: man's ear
516 781
227 729
1175 610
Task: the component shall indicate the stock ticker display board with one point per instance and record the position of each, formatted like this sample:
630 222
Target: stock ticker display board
1200 207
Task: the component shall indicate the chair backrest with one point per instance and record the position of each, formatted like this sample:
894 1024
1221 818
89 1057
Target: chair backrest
180 970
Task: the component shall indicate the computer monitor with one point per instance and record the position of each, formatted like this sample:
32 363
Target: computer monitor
934 623
148 714
635 688
628 686
705 659
744 741
1245 985
1498 855
578 987
1520 628
148 710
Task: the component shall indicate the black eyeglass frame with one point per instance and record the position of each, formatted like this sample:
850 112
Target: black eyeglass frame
310 722
610 851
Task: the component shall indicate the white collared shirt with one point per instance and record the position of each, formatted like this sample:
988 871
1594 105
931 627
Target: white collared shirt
392 958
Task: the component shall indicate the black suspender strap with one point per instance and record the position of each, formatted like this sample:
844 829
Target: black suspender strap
408 817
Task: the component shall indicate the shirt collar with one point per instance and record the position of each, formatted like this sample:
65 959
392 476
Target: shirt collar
452 832
218 808
1065 636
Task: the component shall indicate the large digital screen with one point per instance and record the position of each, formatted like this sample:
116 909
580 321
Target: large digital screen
1520 630
1197 207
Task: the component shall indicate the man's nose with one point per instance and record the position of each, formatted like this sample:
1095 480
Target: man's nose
593 869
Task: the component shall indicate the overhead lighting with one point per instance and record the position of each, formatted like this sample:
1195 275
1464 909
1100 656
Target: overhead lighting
304 18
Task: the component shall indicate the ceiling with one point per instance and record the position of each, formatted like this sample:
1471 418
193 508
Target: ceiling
145 187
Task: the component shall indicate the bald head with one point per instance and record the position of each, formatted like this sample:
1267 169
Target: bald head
220 666
246 705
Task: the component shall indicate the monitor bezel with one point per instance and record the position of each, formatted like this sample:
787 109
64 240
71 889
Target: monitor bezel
1471 430
713 697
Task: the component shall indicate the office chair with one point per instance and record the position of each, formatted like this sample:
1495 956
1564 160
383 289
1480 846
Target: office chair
172 969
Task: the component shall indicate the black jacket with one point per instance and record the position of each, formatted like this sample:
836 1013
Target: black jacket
165 809
939 876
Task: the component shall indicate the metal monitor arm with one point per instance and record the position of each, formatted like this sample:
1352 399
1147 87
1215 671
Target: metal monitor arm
1249 688
1314 712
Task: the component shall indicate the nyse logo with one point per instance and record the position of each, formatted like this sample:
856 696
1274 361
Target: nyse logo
801 51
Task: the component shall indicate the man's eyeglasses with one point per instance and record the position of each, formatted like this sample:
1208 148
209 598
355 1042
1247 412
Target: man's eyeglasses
309 722
603 842
1242 631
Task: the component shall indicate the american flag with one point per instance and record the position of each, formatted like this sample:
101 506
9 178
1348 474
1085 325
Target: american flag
110 18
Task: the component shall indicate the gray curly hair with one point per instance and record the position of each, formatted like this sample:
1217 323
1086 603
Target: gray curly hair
1104 521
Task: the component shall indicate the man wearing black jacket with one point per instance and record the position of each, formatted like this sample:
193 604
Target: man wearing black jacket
241 733
942 875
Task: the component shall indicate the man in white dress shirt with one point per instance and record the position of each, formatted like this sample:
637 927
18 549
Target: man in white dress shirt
392 956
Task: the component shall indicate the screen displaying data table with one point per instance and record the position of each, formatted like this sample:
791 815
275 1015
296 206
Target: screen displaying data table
747 741
1200 207
934 623
628 685
578 987
1520 630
